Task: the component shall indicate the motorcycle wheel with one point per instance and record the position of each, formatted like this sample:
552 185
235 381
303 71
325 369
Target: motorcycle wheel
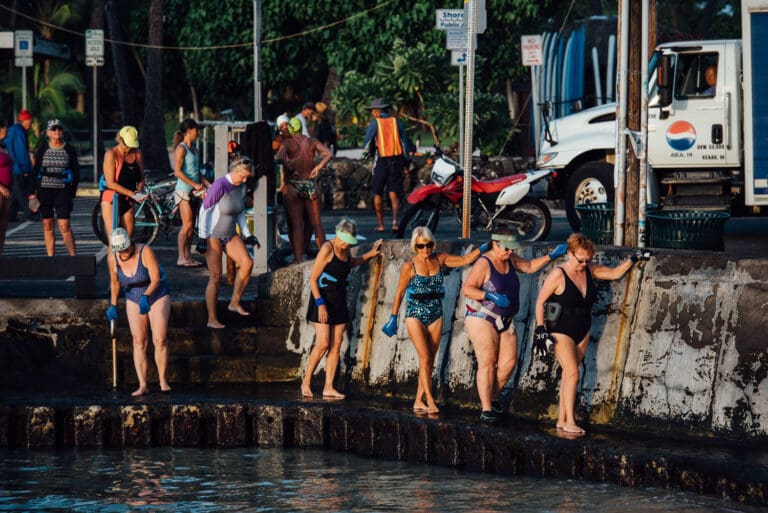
530 219
423 213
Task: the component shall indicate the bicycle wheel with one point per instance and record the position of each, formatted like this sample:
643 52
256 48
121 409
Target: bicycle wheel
146 224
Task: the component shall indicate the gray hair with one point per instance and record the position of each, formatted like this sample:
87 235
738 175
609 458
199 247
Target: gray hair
241 162
347 225
421 232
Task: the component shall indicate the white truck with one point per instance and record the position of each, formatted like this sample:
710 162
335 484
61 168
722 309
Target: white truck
707 142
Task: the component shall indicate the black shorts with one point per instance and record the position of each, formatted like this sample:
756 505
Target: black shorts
55 199
388 172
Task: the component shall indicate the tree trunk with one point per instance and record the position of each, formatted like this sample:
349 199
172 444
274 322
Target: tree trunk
124 93
154 147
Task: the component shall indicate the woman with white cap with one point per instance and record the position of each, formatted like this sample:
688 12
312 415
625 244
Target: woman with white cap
328 302
135 269
124 177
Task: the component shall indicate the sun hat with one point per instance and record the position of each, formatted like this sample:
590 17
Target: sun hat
378 103
24 115
130 136
119 240
506 241
294 126
346 231
53 123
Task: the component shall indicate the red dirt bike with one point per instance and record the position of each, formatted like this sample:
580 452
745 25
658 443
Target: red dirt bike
499 202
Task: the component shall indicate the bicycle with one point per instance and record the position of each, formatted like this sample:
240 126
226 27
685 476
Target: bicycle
157 214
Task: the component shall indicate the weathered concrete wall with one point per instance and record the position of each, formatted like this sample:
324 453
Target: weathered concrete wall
677 344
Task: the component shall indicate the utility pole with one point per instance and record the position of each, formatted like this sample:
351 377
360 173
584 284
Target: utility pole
633 123
257 113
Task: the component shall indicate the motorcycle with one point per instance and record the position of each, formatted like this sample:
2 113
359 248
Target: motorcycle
499 202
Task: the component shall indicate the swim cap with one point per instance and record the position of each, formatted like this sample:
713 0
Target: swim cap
294 126
119 240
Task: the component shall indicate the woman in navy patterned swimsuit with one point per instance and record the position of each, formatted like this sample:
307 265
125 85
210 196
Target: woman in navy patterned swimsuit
421 282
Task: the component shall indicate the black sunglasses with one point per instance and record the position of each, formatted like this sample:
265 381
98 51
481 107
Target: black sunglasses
581 260
426 245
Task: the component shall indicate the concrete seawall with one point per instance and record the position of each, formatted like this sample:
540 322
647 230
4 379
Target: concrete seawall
676 344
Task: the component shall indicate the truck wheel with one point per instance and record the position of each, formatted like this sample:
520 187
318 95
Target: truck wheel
592 182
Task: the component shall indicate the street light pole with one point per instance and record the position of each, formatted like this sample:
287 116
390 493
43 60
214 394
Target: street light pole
257 114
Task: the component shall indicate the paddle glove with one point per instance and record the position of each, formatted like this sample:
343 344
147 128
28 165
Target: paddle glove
560 250
390 328
251 240
640 256
499 299
112 313
542 342
144 305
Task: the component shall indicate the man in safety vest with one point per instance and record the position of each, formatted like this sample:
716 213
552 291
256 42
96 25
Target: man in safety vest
392 156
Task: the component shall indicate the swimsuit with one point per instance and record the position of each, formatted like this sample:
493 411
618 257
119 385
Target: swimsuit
223 209
507 284
576 316
425 297
135 286
333 289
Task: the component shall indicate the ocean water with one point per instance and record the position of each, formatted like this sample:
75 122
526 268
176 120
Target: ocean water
294 480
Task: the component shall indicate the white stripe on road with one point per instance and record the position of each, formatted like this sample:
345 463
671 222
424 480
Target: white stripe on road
18 228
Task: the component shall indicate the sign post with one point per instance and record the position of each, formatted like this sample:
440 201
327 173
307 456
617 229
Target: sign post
94 57
531 50
22 51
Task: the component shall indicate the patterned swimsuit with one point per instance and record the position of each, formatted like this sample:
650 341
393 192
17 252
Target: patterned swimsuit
425 297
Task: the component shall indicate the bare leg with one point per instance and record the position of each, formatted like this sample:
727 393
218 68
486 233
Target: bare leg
49 237
312 208
506 363
420 337
236 251
158 320
332 362
67 236
213 259
106 218
568 356
322 342
379 213
129 221
185 234
139 325
395 200
294 207
485 341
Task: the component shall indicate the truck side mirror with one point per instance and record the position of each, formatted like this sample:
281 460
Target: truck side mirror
664 80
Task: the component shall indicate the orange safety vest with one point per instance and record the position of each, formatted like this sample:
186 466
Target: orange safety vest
388 137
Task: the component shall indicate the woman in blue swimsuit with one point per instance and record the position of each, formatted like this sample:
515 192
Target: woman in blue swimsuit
421 281
572 287
492 291
135 269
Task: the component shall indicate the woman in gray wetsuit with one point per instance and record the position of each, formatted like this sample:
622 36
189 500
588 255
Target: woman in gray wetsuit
571 286
421 282
222 212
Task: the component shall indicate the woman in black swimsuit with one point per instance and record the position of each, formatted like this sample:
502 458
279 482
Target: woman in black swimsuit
571 286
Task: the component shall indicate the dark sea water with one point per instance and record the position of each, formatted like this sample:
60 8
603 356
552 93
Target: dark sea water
274 480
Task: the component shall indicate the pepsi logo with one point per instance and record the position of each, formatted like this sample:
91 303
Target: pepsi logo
681 135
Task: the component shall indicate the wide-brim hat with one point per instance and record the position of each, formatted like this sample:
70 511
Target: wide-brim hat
378 103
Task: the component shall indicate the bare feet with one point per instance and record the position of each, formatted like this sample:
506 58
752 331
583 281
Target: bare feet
572 428
433 409
238 309
165 388
420 407
333 394
140 391
188 263
306 391
216 325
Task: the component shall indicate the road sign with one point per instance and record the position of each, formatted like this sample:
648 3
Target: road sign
459 57
455 39
6 39
481 15
530 47
94 43
446 19
94 61
22 47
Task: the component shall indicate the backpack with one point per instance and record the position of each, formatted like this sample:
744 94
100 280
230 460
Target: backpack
103 181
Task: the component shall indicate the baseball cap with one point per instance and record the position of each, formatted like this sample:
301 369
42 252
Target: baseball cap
24 115
119 240
53 123
130 136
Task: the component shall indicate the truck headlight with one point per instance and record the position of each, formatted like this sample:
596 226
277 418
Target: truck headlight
544 158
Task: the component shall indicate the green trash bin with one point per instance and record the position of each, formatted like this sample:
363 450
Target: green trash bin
688 229
597 221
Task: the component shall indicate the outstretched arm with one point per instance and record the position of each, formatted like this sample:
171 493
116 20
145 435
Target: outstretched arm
603 272
374 251
529 266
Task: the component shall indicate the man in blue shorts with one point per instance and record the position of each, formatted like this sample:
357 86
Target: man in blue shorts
392 159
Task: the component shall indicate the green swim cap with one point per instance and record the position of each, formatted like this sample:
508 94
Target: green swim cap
294 126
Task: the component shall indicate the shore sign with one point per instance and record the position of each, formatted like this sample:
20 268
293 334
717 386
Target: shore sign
446 19
530 47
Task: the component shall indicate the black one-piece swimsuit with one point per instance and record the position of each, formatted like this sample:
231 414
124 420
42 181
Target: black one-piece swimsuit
576 316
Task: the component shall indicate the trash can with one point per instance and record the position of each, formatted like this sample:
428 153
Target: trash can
597 221
688 229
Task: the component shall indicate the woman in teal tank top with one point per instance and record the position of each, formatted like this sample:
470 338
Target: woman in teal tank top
191 186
